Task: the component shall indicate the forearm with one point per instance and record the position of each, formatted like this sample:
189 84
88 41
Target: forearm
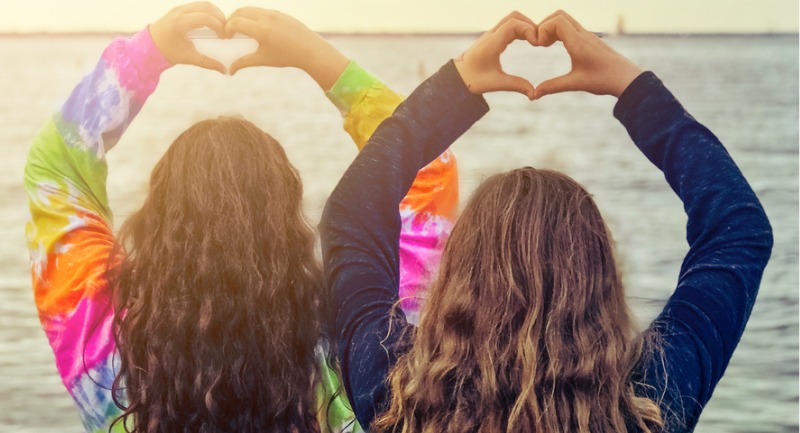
325 64
68 155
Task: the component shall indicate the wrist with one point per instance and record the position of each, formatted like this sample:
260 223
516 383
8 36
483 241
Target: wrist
624 78
325 64
465 71
146 53
153 31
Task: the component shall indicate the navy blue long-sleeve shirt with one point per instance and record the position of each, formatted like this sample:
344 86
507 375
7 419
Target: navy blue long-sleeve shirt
728 232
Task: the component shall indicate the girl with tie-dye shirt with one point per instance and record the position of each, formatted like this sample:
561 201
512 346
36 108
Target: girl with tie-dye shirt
211 338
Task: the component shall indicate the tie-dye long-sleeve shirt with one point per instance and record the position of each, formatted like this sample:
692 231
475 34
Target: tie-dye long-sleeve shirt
70 234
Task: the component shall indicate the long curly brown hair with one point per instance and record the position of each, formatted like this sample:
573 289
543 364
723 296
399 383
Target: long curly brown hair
526 328
218 292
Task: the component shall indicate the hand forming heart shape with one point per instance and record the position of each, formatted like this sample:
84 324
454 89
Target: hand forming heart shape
275 39
596 68
280 41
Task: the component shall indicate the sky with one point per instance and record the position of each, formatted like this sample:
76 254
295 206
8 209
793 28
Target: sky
662 16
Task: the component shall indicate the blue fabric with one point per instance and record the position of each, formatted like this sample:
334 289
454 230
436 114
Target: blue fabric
730 242
728 232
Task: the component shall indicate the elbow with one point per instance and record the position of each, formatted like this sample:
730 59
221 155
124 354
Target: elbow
747 229
760 236
764 230
769 240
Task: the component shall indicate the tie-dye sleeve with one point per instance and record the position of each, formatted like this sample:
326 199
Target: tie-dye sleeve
428 209
69 234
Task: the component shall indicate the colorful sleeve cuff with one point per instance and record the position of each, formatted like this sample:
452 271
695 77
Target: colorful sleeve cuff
142 42
144 53
351 87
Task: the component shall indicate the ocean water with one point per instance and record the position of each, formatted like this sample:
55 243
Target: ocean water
745 89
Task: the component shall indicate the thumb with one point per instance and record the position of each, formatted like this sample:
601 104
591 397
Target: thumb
246 61
564 83
515 84
206 62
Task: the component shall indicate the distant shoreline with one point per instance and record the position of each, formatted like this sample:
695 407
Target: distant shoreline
110 34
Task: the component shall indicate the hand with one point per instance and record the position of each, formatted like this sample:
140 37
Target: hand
596 67
169 34
480 66
283 41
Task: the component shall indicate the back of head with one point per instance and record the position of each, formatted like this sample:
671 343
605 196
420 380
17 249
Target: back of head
217 296
526 328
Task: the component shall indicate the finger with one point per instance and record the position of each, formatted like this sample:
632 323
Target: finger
572 20
516 84
513 15
206 62
546 34
197 20
244 26
522 17
515 29
249 12
204 7
561 17
530 35
564 83
247 61
560 13
554 29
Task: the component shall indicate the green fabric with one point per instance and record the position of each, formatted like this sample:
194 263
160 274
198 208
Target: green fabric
350 88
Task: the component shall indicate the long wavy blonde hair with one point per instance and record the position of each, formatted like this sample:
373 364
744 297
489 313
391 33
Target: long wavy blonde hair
526 328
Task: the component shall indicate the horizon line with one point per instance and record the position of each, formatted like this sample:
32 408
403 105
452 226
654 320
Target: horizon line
110 33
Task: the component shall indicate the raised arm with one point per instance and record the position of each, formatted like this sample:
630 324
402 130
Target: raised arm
361 224
728 231
730 241
69 234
